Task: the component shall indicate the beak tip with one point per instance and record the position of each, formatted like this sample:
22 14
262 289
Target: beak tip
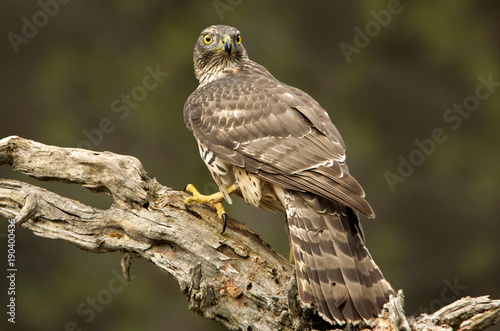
227 45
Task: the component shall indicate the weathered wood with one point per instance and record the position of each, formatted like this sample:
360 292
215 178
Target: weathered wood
236 278
466 314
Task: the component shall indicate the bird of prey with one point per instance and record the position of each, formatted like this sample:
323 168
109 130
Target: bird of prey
276 147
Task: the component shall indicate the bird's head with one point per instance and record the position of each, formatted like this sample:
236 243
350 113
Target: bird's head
218 48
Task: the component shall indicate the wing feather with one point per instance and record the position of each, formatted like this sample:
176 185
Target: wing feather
277 132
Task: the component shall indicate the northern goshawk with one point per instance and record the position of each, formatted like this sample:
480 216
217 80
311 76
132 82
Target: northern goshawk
275 146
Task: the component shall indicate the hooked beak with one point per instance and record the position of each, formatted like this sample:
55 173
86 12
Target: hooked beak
227 45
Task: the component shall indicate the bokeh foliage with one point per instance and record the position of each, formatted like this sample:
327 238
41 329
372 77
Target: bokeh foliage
440 226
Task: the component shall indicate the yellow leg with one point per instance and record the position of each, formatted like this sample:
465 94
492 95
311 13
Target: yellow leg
213 200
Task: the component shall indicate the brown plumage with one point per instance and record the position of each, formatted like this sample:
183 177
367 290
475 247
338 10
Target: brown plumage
280 148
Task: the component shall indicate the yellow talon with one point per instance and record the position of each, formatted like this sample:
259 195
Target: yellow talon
220 209
213 200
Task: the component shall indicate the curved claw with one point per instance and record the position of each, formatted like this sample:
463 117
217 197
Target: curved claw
214 201
224 223
192 212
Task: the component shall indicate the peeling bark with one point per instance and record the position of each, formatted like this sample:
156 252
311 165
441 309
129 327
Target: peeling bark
234 278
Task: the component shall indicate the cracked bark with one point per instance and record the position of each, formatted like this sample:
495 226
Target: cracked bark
235 278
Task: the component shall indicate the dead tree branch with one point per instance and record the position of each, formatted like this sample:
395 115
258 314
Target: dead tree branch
236 278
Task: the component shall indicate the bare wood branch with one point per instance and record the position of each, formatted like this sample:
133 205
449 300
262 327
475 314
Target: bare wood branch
466 314
235 278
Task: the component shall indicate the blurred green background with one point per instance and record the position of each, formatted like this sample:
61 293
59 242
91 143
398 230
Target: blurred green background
437 230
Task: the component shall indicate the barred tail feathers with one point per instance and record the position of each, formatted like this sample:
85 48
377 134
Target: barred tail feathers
334 269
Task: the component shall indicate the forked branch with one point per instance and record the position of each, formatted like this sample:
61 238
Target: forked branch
236 278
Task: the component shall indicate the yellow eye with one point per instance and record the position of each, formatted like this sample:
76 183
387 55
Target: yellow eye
208 39
238 39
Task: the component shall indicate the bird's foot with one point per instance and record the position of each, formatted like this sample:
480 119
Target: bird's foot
213 200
